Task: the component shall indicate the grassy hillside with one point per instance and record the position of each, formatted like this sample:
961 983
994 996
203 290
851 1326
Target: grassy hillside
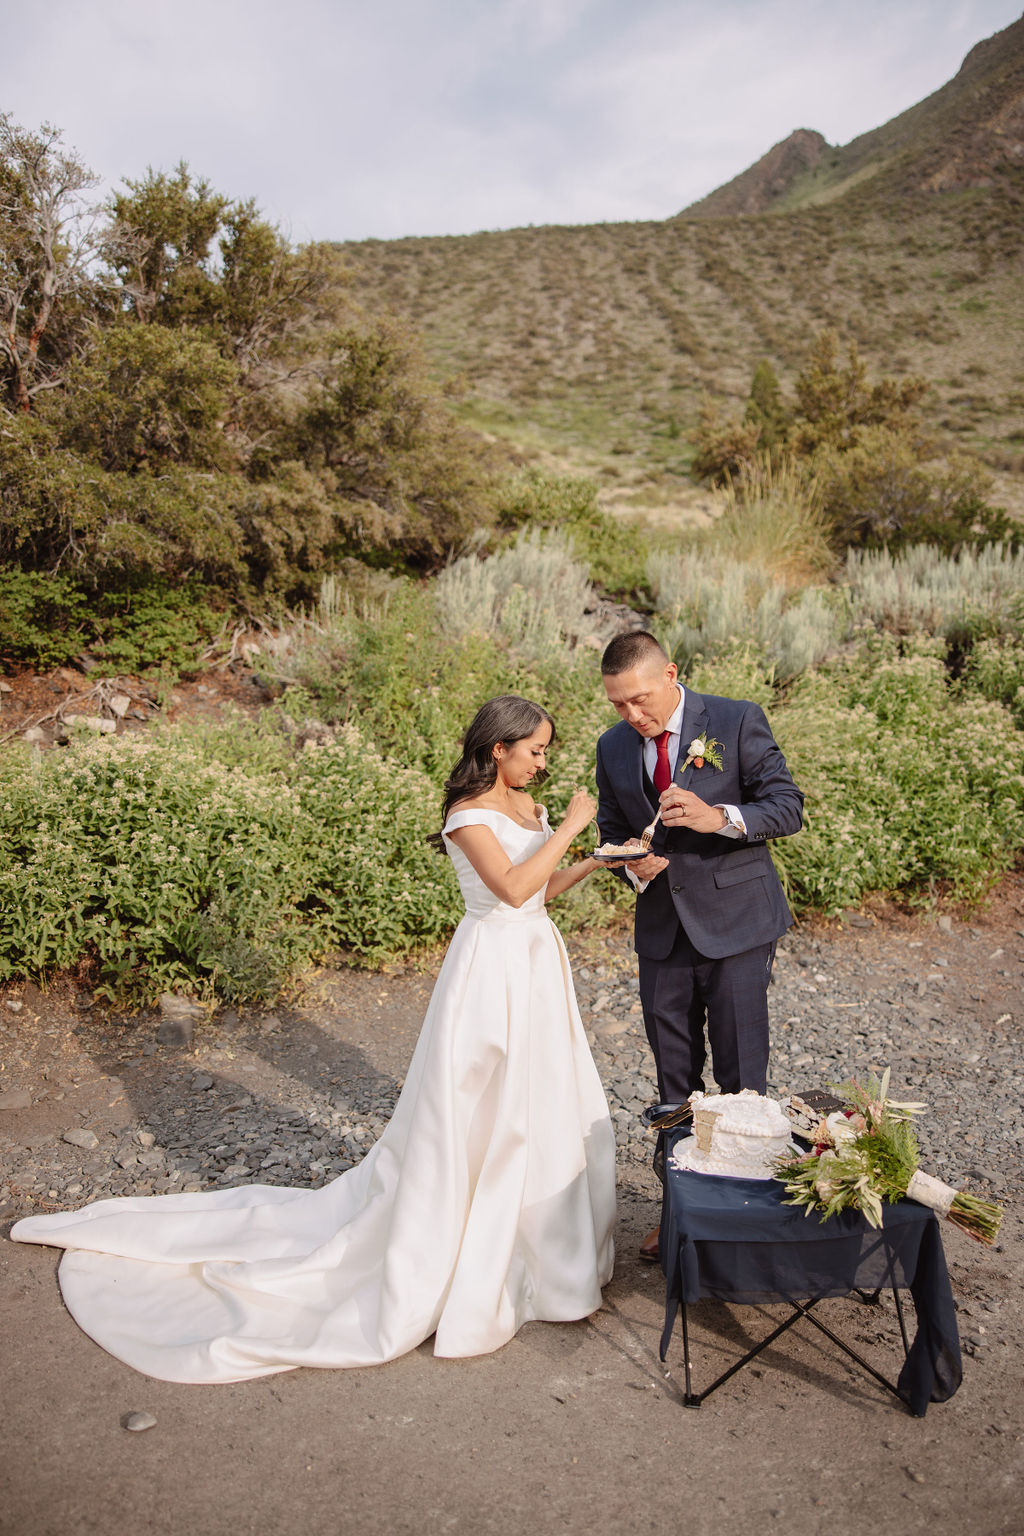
592 345
595 343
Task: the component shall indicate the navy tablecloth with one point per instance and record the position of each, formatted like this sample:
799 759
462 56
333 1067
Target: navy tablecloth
735 1240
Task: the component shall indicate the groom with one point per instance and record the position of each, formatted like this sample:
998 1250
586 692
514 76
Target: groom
709 906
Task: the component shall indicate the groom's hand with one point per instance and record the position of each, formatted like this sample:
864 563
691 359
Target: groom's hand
682 808
645 869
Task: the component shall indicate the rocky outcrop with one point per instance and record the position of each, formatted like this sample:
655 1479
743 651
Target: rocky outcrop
757 189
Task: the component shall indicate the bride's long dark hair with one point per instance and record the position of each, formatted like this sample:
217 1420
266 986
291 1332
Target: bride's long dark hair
507 719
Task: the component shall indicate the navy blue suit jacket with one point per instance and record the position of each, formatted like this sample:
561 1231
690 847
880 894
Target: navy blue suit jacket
724 891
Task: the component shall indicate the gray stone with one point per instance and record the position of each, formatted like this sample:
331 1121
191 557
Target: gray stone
202 1082
81 1137
120 703
16 1098
138 1421
95 723
175 1031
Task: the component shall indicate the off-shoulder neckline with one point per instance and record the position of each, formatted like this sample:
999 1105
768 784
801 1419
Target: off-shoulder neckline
490 811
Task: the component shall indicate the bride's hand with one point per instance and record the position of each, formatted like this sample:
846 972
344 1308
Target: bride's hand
582 810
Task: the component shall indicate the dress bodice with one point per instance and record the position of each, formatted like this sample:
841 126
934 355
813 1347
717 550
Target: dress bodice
518 842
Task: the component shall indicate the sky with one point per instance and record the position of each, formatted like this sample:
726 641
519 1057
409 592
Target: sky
355 119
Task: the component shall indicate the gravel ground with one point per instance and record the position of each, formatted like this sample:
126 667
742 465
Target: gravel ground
92 1105
570 1428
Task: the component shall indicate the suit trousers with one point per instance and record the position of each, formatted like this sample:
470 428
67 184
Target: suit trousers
685 990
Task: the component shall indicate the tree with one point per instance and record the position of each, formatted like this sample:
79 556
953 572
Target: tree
834 400
186 258
406 477
159 243
46 244
724 444
766 409
144 397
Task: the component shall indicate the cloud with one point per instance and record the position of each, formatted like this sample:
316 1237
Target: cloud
345 120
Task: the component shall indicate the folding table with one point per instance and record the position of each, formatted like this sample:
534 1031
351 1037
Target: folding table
736 1241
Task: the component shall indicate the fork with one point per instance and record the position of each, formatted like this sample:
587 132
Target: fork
648 832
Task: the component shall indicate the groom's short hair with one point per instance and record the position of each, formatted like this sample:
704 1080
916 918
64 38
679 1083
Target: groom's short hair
636 648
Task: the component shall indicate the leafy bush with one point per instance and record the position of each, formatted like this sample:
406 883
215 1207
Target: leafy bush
907 789
166 868
613 553
154 626
42 618
880 492
218 858
995 669
46 621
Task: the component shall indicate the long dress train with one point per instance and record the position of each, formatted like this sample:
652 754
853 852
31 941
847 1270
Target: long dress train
488 1200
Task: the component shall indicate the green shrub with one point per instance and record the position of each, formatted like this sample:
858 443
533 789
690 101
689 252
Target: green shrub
994 669
154 626
879 492
43 619
47 620
908 789
613 553
159 868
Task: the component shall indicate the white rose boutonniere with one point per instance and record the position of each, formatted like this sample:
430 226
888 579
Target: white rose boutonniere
703 749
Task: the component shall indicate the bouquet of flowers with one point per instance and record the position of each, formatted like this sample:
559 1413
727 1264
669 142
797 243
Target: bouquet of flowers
866 1152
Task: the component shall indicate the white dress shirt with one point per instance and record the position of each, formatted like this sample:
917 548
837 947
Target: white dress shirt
734 825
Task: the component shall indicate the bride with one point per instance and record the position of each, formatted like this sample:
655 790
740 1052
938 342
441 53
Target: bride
487 1202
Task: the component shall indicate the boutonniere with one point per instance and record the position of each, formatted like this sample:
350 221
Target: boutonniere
703 749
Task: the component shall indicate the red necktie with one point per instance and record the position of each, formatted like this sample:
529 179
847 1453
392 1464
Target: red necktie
662 768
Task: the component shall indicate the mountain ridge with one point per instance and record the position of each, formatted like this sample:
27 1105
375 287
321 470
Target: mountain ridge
954 140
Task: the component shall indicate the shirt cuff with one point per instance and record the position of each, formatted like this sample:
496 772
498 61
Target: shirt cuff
734 823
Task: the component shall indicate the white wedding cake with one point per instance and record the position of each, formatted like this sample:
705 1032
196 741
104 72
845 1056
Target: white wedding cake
736 1135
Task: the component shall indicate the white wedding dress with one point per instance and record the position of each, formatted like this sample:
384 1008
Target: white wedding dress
487 1202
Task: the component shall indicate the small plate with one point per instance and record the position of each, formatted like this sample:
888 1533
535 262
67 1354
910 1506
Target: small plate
617 858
